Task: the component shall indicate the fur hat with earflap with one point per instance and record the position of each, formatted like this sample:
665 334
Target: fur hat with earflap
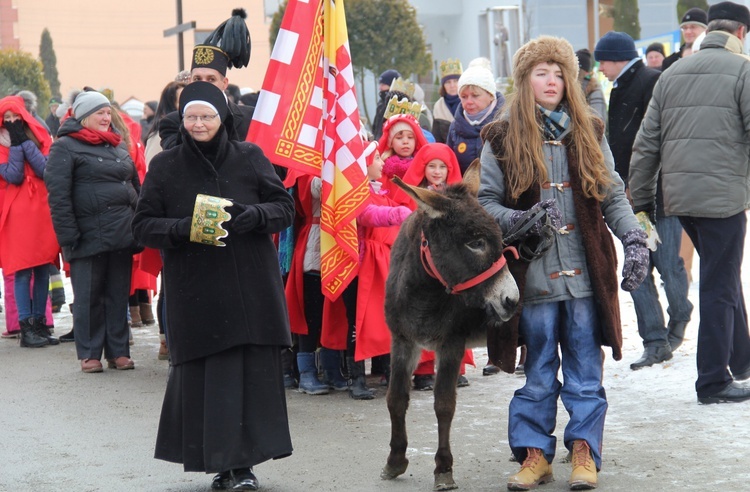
545 49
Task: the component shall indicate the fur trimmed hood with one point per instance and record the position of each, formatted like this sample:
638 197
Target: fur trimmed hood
545 49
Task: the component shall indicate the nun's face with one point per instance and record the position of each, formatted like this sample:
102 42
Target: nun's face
201 122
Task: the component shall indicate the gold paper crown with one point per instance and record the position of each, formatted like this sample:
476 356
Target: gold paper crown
403 86
403 106
451 66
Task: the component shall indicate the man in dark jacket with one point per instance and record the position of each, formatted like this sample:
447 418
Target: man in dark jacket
633 86
695 136
692 25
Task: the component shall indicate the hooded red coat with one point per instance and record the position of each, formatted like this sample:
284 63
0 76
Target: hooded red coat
27 238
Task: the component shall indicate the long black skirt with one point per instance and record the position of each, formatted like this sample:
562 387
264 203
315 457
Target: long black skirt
225 411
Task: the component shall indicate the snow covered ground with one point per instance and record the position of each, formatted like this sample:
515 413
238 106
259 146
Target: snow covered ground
64 430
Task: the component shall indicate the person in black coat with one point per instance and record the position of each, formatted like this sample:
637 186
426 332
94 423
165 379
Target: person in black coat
633 85
93 189
692 25
227 313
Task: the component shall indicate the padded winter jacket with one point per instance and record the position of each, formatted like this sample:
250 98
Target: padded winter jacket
697 131
93 191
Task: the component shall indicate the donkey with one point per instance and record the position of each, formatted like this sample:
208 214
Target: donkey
448 282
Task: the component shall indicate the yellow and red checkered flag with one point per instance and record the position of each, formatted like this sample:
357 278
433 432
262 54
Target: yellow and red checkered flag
307 118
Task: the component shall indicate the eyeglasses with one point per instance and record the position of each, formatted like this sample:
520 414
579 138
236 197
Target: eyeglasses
192 118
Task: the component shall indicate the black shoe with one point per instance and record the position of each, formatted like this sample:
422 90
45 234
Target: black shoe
423 382
742 375
222 481
519 370
68 337
676 333
733 393
462 381
44 330
490 370
244 479
651 356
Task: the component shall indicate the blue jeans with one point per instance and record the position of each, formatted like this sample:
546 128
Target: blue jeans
32 304
574 325
666 259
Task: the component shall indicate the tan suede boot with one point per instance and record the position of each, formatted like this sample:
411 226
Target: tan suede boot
584 468
135 317
535 470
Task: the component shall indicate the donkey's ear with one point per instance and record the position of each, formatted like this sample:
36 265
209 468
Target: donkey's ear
472 177
433 203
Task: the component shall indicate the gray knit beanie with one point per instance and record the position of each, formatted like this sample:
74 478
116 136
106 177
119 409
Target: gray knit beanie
89 102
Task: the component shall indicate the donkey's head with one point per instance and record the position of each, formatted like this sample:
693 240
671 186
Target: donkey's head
462 247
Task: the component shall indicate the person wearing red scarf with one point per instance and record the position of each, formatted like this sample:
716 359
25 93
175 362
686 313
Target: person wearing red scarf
27 241
93 189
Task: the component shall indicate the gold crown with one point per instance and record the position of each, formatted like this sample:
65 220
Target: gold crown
403 86
451 66
403 106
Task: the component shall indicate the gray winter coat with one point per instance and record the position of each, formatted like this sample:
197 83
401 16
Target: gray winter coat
697 131
568 253
93 191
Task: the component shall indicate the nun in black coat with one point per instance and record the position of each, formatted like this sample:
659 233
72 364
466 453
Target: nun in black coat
224 409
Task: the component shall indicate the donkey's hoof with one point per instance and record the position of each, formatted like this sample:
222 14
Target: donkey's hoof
390 472
444 481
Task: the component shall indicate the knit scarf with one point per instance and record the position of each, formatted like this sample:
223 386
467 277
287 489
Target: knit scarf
555 122
96 137
396 165
477 119
452 102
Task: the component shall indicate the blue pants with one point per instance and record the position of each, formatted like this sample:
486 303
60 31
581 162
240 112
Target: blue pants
666 259
574 325
32 304
723 339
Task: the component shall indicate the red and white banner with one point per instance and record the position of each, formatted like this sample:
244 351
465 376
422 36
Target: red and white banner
307 119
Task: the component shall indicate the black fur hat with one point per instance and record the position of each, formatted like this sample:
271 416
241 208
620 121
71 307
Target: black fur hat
226 47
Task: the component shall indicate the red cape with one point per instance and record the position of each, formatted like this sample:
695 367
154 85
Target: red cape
27 238
373 335
333 334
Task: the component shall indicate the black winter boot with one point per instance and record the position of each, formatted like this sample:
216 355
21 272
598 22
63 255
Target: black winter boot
40 325
358 388
29 335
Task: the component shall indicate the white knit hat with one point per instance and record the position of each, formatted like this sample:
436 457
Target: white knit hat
480 77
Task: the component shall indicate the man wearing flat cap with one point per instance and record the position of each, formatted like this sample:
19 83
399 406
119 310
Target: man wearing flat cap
697 136
692 25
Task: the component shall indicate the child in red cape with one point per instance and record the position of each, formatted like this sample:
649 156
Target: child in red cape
434 166
402 138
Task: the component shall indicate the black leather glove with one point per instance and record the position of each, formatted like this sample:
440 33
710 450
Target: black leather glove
16 132
248 220
549 205
635 266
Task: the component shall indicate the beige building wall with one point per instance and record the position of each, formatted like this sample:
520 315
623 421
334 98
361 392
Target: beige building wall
121 44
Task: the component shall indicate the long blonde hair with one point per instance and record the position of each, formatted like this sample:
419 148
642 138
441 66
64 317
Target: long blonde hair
524 160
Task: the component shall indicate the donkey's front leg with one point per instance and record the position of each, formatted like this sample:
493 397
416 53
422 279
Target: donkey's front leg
449 357
404 356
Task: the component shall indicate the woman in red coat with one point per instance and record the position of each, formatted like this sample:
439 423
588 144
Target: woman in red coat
27 240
